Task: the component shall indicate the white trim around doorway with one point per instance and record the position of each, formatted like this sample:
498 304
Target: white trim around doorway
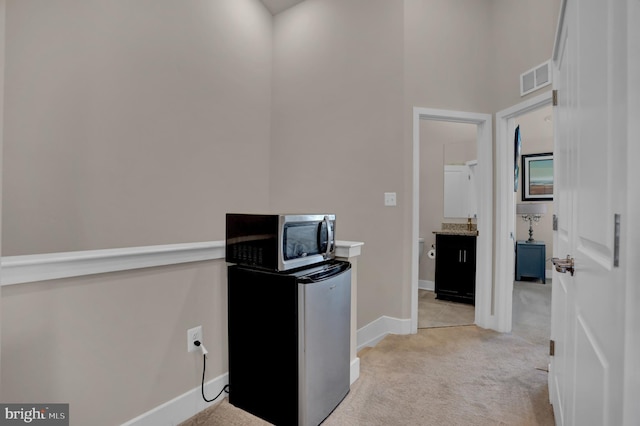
484 261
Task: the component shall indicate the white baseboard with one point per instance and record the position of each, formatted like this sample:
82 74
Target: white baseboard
372 333
182 407
426 285
191 403
355 370
548 273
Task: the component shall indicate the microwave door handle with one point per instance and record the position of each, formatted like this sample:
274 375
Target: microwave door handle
329 236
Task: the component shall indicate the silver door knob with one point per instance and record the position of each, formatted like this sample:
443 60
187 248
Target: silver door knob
564 265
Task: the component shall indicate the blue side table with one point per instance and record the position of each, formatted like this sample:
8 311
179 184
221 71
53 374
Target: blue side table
530 260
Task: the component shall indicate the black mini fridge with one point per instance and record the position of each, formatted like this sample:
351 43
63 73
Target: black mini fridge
289 341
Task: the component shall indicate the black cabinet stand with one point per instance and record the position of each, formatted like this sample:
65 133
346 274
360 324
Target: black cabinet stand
456 268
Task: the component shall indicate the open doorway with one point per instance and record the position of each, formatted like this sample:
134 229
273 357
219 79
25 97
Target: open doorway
531 319
448 199
506 235
484 174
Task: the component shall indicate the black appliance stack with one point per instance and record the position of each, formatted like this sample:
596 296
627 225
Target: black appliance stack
289 341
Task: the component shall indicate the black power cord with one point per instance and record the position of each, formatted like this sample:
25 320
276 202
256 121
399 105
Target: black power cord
204 368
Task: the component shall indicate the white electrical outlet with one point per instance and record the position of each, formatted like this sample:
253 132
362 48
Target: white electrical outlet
194 334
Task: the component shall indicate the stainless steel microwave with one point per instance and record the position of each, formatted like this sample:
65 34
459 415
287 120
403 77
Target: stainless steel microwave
280 242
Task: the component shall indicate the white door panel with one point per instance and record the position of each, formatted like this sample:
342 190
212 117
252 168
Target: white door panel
588 316
594 159
591 394
558 370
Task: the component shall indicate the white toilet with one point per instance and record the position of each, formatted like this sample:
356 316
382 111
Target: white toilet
421 246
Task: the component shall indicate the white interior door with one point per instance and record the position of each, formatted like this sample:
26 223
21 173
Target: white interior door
561 300
588 315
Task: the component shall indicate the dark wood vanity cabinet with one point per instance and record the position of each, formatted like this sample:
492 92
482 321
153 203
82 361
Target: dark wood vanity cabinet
456 267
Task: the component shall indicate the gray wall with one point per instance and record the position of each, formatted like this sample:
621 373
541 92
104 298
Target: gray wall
337 131
138 123
3 6
346 77
132 124
126 124
468 55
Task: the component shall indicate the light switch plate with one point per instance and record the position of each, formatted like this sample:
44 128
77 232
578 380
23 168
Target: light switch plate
389 198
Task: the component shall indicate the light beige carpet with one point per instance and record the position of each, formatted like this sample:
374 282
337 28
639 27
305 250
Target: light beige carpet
433 312
440 376
460 375
532 311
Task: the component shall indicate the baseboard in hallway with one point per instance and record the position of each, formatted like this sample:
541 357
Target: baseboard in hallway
181 407
375 331
190 403
426 285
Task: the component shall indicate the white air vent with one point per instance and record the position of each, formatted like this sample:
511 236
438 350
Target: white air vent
535 78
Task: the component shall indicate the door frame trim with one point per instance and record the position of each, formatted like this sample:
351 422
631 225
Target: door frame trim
631 250
484 260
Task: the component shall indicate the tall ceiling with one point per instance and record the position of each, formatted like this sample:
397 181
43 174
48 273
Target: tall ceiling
277 6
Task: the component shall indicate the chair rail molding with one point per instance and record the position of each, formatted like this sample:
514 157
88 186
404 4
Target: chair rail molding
50 266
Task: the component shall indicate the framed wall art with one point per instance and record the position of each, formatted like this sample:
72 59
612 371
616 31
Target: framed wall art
537 177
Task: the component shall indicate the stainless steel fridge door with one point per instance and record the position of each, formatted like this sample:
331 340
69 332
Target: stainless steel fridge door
324 315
